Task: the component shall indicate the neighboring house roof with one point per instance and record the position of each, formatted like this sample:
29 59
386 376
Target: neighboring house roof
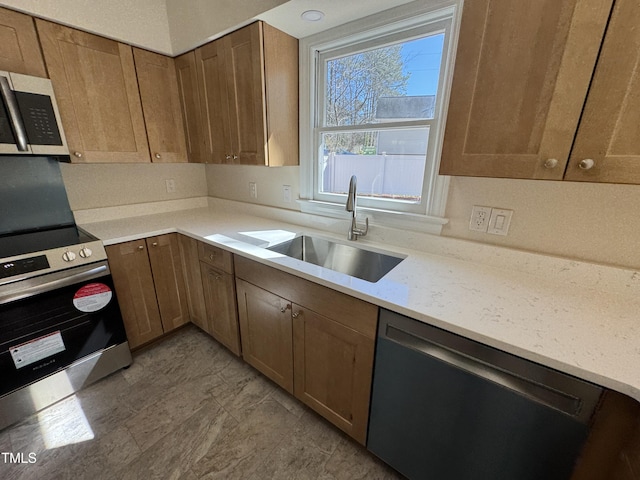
418 106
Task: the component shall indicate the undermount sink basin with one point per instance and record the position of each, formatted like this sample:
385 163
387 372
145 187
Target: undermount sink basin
354 261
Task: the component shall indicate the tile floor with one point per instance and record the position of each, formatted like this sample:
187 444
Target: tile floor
186 409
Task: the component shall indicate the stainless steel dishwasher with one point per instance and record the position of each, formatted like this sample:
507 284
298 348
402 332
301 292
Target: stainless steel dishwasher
447 408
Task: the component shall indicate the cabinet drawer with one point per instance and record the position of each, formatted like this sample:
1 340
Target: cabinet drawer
216 257
351 312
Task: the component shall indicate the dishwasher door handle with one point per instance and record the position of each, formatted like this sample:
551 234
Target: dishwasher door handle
535 391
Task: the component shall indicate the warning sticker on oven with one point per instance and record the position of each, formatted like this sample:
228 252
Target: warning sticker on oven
37 349
92 297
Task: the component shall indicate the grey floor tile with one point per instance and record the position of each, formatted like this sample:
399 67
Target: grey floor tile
186 409
240 454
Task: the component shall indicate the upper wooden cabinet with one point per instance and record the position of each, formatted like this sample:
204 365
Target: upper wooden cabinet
521 77
248 92
189 97
158 86
19 47
609 131
95 83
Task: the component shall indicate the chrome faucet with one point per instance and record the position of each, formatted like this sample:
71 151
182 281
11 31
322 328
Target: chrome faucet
352 200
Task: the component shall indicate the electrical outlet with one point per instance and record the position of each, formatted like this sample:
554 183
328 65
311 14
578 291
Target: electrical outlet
253 190
171 185
479 218
499 221
286 193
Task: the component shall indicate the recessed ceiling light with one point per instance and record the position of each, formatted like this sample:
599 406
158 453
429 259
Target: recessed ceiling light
312 15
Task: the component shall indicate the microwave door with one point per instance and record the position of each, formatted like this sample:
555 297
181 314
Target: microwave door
13 136
40 114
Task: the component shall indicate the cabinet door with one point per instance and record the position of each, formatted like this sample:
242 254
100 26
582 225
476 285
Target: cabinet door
214 106
220 299
245 84
521 77
193 282
610 125
94 80
266 333
333 367
133 281
281 86
189 94
161 106
19 47
166 265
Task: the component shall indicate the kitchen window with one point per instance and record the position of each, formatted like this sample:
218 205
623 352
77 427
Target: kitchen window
376 93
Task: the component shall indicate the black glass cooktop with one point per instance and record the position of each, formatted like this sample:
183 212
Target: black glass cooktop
21 243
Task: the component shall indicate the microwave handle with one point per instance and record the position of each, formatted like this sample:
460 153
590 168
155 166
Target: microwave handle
11 103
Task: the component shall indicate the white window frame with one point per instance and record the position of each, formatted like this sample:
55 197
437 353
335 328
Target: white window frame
412 18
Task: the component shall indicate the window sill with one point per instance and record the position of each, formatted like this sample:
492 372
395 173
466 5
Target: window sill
385 218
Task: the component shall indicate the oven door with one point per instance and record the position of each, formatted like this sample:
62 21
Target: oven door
49 322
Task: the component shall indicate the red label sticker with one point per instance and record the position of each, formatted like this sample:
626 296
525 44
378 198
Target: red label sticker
92 297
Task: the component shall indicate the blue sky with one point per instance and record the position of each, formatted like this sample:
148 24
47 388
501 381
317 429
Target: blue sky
423 61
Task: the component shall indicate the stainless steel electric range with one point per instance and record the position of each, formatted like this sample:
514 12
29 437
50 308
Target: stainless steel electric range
60 325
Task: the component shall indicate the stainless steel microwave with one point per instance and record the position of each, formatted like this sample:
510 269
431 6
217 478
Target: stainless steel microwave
29 117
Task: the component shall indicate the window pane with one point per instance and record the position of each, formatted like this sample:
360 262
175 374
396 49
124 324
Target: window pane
389 164
397 82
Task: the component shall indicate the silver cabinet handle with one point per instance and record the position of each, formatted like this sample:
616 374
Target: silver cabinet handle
212 256
11 103
285 308
586 164
551 163
227 157
155 244
235 157
158 156
77 154
140 247
295 314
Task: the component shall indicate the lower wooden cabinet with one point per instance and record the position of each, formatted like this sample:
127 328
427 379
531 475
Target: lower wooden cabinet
149 282
265 326
220 300
211 293
193 281
309 337
333 367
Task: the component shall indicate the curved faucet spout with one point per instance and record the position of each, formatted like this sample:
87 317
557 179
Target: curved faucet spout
351 196
351 206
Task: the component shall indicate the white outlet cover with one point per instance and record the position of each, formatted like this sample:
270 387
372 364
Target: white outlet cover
479 221
499 221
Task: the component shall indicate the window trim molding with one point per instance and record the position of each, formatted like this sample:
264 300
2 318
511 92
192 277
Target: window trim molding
406 17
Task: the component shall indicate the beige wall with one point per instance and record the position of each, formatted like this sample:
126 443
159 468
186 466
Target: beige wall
593 222
596 222
203 20
104 185
232 182
143 23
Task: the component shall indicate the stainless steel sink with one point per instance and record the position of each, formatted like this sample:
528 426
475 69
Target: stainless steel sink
354 261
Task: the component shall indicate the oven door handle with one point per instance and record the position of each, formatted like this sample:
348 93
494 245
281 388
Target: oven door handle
9 100
47 283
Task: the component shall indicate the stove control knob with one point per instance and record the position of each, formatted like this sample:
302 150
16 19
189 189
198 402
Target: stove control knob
85 252
68 256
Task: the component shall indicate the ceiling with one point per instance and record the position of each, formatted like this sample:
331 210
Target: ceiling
286 17
174 26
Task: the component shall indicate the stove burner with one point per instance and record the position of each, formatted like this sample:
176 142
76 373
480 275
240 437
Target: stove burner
22 243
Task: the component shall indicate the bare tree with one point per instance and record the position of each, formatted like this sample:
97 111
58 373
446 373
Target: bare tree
354 85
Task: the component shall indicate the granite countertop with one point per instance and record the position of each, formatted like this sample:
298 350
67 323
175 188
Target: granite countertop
585 330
